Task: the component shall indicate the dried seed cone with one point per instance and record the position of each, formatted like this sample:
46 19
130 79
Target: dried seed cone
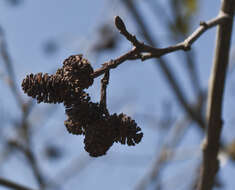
126 129
74 127
81 110
45 88
99 137
74 99
77 71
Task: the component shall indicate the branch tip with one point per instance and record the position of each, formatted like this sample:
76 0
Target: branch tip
120 24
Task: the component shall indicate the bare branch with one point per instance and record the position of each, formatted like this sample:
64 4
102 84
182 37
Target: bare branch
72 169
172 141
140 47
114 63
32 161
211 147
13 185
25 109
9 67
165 155
187 43
103 96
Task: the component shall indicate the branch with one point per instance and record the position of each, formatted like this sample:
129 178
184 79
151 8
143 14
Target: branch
152 52
26 108
210 165
178 133
164 155
104 84
74 168
185 45
13 185
114 63
9 68
32 161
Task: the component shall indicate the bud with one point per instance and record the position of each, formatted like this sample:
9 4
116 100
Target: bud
119 23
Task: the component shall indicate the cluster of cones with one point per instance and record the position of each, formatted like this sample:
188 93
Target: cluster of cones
85 117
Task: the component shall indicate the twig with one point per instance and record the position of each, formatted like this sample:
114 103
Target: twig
187 43
210 165
104 83
140 47
193 72
12 185
164 18
31 159
73 169
172 141
164 156
25 108
9 68
114 63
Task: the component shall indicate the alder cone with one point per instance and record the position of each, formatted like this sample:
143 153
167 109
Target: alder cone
86 118
74 127
45 88
81 111
77 71
126 129
99 137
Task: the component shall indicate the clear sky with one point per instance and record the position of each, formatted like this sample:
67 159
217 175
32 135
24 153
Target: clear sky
136 89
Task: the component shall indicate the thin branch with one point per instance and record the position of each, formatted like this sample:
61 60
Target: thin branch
140 47
114 63
32 161
12 185
103 97
187 43
74 168
26 108
178 131
210 165
193 72
8 63
165 155
164 18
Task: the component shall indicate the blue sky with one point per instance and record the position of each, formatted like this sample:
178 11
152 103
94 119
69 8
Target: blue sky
136 88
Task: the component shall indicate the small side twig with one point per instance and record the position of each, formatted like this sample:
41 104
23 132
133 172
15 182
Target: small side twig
114 63
103 97
13 185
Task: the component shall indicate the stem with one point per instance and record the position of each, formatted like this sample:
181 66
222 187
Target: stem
210 165
104 84
13 185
